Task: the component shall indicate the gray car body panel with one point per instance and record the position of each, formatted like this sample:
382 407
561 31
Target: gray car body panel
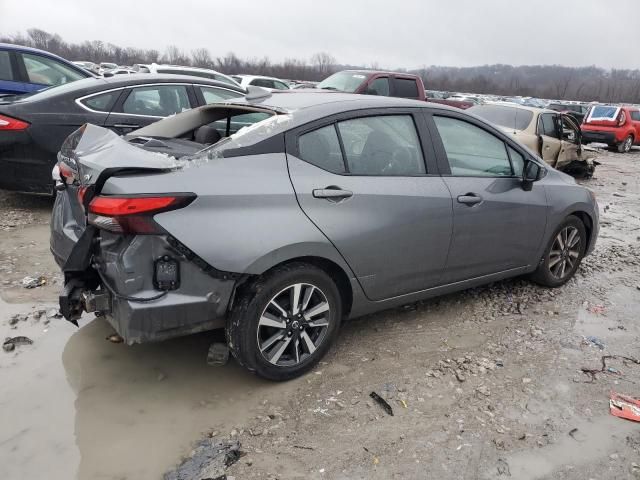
229 226
256 211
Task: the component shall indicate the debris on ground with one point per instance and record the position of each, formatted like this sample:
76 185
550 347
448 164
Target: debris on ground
218 354
18 317
382 402
605 369
208 461
503 467
624 406
33 282
595 341
10 343
115 338
597 309
54 313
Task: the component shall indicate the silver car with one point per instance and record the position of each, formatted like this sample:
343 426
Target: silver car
278 215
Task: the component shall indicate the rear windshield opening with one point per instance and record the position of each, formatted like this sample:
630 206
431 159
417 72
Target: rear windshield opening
603 112
503 116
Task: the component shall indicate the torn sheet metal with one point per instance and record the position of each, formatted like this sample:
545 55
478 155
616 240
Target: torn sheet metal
624 406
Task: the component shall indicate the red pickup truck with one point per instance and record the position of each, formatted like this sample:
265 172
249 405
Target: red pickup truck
389 84
371 82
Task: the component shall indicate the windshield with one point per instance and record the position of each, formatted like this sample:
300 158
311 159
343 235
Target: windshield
343 81
503 116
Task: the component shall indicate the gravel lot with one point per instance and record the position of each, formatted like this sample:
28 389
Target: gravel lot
483 384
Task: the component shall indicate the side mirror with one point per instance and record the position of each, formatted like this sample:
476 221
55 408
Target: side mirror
531 173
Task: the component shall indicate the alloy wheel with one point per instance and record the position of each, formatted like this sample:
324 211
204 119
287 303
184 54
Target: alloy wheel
627 144
293 325
565 252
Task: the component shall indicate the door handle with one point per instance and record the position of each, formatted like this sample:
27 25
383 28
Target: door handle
126 125
332 193
470 199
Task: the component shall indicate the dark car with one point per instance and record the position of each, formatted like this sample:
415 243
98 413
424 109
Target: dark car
373 82
24 70
33 126
576 110
332 206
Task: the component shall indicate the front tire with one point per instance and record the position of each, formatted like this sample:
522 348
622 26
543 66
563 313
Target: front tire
285 322
563 254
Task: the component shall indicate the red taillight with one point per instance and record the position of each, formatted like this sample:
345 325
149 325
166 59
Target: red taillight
132 214
8 123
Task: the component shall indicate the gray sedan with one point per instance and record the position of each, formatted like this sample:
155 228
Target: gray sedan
314 208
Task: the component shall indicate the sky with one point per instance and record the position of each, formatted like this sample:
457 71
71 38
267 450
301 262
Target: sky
383 33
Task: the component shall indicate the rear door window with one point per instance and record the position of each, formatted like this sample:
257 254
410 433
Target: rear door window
382 145
280 85
157 100
102 102
405 88
47 71
635 115
471 150
6 69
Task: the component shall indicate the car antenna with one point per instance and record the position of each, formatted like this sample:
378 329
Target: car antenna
256 93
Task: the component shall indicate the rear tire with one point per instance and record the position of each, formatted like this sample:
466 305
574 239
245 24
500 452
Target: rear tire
277 338
625 146
563 255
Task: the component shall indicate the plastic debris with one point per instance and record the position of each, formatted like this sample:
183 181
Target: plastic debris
597 309
595 341
624 406
382 402
33 282
10 343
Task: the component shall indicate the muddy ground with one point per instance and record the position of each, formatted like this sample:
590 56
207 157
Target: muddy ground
483 384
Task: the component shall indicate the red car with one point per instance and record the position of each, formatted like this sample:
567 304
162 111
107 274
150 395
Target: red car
618 127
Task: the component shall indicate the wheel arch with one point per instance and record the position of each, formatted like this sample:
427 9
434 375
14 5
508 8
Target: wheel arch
331 268
587 221
337 270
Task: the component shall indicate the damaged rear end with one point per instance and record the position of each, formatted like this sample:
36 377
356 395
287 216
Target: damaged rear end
118 262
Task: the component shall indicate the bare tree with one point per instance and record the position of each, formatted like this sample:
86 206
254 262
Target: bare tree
323 62
174 56
201 57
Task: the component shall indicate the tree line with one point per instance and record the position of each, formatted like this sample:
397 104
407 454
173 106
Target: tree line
542 81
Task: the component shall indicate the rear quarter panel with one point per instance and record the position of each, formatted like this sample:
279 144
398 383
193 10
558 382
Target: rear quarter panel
246 218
